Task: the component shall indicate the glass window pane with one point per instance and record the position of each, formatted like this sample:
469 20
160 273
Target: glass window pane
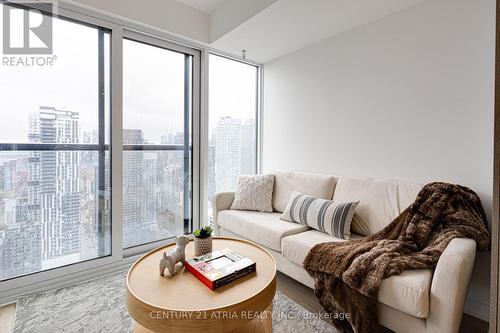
153 94
232 149
156 183
71 83
153 186
49 211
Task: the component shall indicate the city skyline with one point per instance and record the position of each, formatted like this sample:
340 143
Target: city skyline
232 85
48 199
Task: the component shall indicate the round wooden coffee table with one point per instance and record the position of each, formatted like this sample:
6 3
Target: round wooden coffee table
182 303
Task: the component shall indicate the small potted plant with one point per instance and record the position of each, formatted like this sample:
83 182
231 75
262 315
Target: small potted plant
203 241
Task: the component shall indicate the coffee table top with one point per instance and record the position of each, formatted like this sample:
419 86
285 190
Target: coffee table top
184 292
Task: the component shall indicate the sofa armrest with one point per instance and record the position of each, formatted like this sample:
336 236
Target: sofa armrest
449 286
221 201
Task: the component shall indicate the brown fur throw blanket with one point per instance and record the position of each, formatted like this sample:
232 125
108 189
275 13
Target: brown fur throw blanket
347 275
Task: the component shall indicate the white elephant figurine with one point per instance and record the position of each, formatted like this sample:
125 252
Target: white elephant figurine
173 257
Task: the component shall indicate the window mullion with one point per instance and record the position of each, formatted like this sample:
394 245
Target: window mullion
100 212
116 157
187 139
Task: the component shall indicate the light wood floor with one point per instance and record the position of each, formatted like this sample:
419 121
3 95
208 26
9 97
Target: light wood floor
305 296
7 316
291 288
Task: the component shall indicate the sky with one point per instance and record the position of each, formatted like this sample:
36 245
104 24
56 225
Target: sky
71 83
232 90
153 86
153 90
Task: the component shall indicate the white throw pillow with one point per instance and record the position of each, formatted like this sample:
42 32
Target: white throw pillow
254 193
328 216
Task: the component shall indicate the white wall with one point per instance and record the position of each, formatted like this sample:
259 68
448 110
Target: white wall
407 97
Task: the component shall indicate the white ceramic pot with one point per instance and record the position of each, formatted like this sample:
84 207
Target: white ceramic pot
202 246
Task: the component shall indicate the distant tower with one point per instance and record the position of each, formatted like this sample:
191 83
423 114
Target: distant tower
131 214
139 191
54 197
148 188
248 147
20 239
20 253
171 179
212 181
227 153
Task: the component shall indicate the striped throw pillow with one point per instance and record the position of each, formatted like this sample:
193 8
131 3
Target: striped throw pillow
331 217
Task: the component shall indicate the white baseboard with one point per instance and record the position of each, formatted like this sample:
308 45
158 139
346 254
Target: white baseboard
477 309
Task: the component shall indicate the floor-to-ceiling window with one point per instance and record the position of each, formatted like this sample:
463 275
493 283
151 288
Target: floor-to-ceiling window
233 106
100 143
157 141
54 149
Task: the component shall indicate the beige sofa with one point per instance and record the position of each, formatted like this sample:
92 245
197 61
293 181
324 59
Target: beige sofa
422 300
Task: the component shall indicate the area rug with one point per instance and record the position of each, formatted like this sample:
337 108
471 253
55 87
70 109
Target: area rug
99 306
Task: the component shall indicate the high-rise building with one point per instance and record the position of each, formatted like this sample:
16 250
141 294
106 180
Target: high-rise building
227 153
89 157
171 182
20 239
20 249
139 188
148 188
248 145
3 180
131 214
9 211
211 170
54 198
176 138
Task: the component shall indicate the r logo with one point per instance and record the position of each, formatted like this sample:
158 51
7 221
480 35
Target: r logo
27 30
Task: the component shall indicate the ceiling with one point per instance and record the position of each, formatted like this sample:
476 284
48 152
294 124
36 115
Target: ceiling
207 6
268 29
289 25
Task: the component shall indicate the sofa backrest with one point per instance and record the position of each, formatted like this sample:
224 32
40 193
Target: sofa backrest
380 200
317 185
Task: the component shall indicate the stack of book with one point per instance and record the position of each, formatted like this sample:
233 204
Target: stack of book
218 268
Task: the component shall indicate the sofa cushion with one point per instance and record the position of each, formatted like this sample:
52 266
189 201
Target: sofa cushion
296 247
316 185
408 292
328 216
266 229
380 201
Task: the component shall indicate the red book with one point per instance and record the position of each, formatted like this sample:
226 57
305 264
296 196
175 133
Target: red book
218 268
